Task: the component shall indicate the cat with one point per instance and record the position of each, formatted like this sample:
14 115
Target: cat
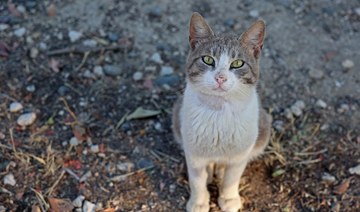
218 121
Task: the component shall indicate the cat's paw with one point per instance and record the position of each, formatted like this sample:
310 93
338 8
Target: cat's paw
230 205
194 207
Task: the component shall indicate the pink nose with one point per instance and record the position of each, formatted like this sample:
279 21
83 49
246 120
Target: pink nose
220 79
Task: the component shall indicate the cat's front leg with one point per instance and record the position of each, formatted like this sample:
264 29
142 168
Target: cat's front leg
229 198
199 197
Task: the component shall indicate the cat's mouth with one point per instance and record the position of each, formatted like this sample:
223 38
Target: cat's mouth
220 89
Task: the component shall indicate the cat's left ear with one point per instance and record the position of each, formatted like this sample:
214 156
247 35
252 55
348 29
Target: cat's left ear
253 38
199 29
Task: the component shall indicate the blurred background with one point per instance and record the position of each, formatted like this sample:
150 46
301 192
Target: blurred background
87 89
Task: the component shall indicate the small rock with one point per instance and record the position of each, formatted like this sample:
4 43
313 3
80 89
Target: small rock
3 209
113 37
29 40
300 104
2 136
26 119
94 148
343 108
316 73
20 32
90 43
144 163
64 143
355 170
230 22
324 127
74 35
86 176
158 126
156 57
279 125
78 202
166 70
30 88
34 52
89 74
297 108
320 103
88 206
74 141
15 107
138 76
9 179
357 11
172 188
3 27
155 12
112 70
254 13
62 90
42 46
98 71
347 64
126 166
21 9
167 80
328 177
288 114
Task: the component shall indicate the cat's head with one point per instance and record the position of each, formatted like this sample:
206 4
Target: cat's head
223 65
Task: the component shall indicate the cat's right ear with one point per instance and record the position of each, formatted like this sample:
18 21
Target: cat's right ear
198 29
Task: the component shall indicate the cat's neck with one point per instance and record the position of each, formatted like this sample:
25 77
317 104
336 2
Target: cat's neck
215 102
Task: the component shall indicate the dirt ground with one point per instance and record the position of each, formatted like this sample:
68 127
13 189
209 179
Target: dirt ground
102 76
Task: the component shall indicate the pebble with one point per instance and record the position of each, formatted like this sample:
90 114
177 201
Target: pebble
297 108
288 114
74 141
78 202
15 107
3 209
172 188
125 166
3 27
21 9
230 22
20 32
94 148
30 88
144 163
343 108
112 70
113 37
74 35
167 80
98 71
155 12
254 13
26 119
138 76
328 177
355 170
2 136
64 143
316 73
34 52
166 70
156 57
43 46
89 74
86 176
9 179
90 43
62 90
88 206
347 64
279 125
357 11
320 103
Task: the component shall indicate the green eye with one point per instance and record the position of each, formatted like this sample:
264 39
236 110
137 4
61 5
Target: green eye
237 64
208 60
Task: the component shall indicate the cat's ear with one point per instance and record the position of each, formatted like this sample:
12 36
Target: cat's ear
253 38
198 29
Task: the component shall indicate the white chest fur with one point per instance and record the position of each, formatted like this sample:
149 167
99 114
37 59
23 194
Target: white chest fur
218 130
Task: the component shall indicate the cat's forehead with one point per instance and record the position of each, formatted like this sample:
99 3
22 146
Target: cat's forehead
222 44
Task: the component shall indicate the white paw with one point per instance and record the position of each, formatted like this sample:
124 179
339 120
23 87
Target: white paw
194 207
230 205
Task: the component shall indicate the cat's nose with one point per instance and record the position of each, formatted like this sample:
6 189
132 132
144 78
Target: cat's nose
220 78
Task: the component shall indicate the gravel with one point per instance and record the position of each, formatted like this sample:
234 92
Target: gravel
74 35
297 108
137 76
320 103
34 52
9 179
355 170
166 70
74 141
88 206
15 107
112 70
26 119
31 88
347 64
98 71
78 202
20 32
156 57
316 73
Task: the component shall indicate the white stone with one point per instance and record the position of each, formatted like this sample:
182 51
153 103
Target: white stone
355 170
156 57
20 32
21 9
26 119
74 141
34 52
254 13
300 104
15 107
357 11
125 167
3 27
98 71
90 43
316 73
78 201
94 148
30 88
137 76
89 207
328 177
9 179
74 35
166 70
347 64
85 176
297 108
320 103
43 46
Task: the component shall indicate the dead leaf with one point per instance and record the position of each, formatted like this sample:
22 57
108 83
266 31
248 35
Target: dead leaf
60 205
35 208
140 113
13 10
54 65
340 189
109 210
51 10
